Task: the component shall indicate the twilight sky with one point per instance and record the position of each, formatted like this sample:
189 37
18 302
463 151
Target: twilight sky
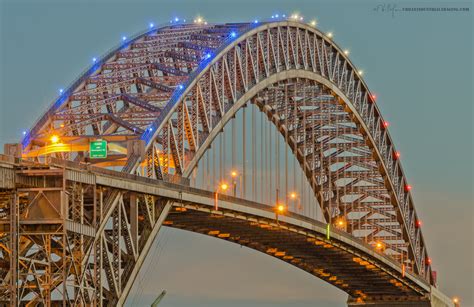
419 64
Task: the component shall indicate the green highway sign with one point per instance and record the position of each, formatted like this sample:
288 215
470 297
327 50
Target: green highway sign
98 149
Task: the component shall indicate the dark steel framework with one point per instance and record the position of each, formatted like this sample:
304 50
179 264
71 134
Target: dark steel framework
162 97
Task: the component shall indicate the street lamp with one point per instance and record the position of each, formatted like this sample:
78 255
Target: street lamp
223 187
279 209
54 139
379 246
295 196
234 174
341 223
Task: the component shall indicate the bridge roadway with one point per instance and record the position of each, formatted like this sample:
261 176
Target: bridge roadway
369 277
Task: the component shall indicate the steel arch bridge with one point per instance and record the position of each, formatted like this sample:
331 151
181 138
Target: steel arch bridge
160 99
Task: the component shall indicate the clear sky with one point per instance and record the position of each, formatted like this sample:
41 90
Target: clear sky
418 63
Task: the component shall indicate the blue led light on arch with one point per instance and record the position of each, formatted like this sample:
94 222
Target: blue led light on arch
208 56
180 86
124 38
233 34
151 25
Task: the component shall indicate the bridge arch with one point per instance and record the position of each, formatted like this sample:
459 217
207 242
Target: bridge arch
204 88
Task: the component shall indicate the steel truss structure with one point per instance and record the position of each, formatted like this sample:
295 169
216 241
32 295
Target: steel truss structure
160 99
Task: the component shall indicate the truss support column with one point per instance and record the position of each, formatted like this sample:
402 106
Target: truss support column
14 249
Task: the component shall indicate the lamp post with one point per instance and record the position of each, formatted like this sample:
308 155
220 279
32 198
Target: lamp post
234 174
295 196
223 187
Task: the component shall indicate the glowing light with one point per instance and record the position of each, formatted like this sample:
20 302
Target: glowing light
94 60
379 245
428 260
455 300
208 55
150 129
360 72
176 19
124 38
151 25
295 16
24 132
330 35
61 91
224 186
408 187
419 223
233 34
273 16
234 174
199 20
386 124
284 15
276 16
62 125
293 195
397 155
255 21
180 86
301 18
313 23
281 208
54 139
346 52
373 97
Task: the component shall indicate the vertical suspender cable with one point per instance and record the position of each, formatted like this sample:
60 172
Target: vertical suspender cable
244 164
253 132
286 143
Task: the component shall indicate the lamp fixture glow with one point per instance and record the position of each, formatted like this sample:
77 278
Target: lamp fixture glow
94 60
360 72
151 25
330 34
293 195
224 186
54 139
124 38
61 91
281 208
234 174
346 52
233 34
313 23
